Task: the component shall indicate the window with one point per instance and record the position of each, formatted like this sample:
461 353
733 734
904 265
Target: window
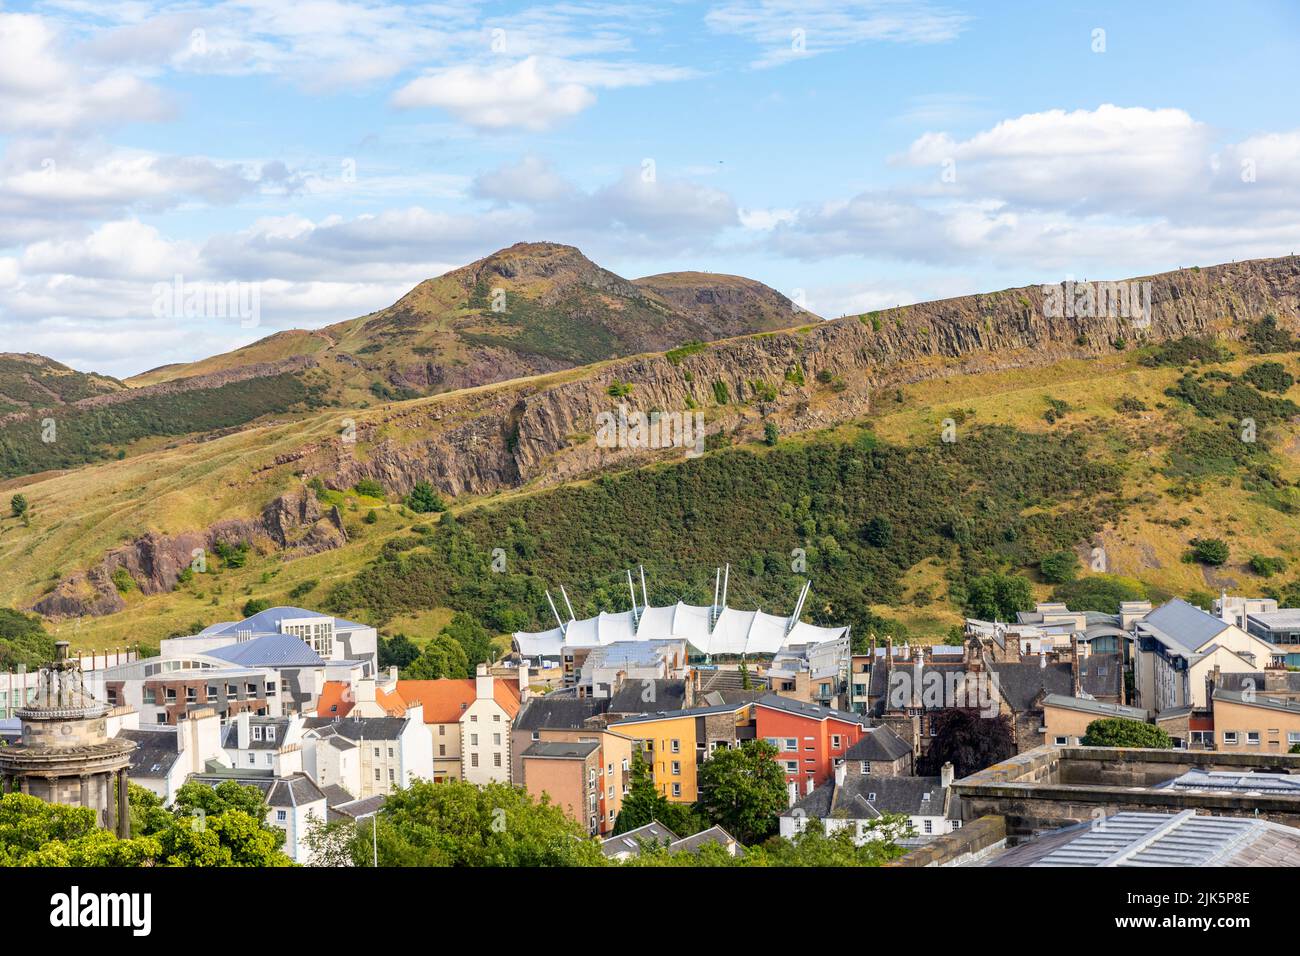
442 730
269 733
677 746
677 768
1061 741
281 815
390 753
496 740
473 718
212 691
496 718
376 751
442 750
866 766
376 773
791 743
1252 738
473 760
792 766
871 797
496 760
252 759
252 689
257 732
677 790
473 740
150 695
626 765
1230 737
956 824
835 741
929 826
609 770
1292 737
391 776
171 694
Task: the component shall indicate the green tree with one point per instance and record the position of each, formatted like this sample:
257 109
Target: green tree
1120 732
770 433
255 606
397 651
742 789
18 505
878 531
369 488
643 803
476 640
1059 566
442 657
1099 592
460 824
36 833
1213 551
423 499
997 597
814 847
23 641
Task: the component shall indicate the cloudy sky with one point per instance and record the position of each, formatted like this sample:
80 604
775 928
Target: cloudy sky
852 153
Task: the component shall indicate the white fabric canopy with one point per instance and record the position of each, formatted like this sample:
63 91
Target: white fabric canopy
735 632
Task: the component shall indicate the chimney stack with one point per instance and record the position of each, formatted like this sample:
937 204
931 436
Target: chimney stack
841 771
483 689
945 775
523 680
1074 659
242 731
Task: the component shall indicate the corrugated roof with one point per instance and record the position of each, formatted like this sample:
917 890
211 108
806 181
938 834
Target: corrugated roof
271 650
1183 839
1189 626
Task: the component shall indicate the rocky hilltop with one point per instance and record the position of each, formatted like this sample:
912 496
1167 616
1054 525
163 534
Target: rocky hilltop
529 309
543 431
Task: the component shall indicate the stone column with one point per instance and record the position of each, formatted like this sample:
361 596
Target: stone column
85 790
123 806
105 801
24 786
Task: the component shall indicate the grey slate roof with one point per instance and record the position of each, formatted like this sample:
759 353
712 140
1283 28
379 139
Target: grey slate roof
879 743
630 842
919 796
295 791
1159 839
1187 625
692 843
1259 700
230 733
631 698
550 712
813 711
1020 682
355 809
270 650
562 749
1228 782
1100 708
690 712
357 728
1101 675
156 751
1256 681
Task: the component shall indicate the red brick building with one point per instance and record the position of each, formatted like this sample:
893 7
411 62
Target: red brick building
810 738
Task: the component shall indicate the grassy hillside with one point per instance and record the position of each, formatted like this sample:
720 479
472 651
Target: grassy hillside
528 309
34 381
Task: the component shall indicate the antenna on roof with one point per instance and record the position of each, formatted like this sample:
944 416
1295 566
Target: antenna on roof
645 600
726 576
567 604
558 619
798 607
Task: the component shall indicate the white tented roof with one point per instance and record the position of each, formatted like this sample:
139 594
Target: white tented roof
735 632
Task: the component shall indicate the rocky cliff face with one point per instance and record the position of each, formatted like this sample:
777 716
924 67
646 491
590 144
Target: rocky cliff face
544 432
292 523
516 434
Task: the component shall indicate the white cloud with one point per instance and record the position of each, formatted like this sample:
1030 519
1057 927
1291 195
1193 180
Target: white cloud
497 97
789 30
42 89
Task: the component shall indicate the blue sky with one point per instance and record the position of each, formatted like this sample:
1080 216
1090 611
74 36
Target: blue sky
852 154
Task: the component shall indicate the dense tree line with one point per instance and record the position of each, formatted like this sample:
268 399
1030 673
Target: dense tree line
852 516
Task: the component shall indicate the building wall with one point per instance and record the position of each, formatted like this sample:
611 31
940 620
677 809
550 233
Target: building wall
668 745
1274 728
819 744
571 783
445 741
487 760
1071 724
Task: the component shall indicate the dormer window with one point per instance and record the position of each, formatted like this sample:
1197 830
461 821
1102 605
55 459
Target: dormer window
270 733
257 732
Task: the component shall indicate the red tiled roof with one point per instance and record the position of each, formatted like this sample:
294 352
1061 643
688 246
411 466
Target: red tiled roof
445 700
